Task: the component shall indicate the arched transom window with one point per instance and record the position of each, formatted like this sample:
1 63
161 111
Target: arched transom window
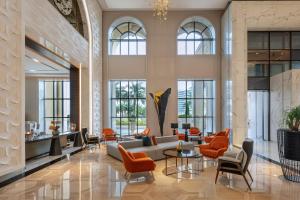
127 36
195 36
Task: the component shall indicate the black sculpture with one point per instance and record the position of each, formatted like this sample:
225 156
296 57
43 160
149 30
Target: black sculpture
160 101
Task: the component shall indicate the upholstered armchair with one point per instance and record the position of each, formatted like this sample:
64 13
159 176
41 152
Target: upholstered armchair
180 136
136 162
194 131
238 164
215 148
208 139
90 139
194 134
109 134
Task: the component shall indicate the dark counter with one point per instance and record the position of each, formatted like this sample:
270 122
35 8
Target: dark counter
39 145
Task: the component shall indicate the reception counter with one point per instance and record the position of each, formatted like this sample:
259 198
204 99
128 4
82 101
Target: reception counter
40 145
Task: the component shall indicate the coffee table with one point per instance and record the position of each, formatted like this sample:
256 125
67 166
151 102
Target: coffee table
185 154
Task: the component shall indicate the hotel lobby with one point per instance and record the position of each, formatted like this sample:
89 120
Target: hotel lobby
149 99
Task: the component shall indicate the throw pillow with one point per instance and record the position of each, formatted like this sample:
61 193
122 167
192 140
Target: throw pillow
147 141
154 141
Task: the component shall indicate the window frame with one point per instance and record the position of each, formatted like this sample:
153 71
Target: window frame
127 99
55 101
207 26
128 40
186 98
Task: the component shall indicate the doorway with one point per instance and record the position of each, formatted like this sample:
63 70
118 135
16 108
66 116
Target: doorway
258 115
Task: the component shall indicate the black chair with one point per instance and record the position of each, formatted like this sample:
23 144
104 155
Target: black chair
89 139
239 164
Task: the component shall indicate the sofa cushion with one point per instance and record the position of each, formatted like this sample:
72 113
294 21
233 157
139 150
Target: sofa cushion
154 141
155 152
132 144
166 139
147 141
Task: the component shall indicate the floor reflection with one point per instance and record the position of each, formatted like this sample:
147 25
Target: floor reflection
94 175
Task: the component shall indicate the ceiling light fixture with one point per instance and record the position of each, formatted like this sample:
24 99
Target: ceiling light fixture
161 9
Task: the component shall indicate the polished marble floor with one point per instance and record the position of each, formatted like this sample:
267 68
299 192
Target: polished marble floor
91 174
267 149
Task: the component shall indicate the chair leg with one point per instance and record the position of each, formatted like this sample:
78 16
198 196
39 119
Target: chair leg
128 178
151 172
247 181
125 174
217 176
250 175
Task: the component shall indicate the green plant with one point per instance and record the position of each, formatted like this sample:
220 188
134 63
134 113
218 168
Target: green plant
292 118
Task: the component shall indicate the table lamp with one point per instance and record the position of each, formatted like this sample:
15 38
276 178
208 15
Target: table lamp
186 127
174 126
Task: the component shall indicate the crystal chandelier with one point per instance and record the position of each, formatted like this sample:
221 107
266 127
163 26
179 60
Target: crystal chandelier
161 9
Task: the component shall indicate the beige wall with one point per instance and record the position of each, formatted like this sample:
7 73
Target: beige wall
12 154
245 16
161 67
47 26
31 99
225 69
284 94
95 13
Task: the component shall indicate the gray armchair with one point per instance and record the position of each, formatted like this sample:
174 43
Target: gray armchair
238 164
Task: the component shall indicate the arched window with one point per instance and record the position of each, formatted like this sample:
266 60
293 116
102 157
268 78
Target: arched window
127 36
196 35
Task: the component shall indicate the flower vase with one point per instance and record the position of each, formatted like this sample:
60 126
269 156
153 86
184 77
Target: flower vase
55 133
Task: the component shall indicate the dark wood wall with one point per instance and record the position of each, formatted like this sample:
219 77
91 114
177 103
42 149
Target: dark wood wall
74 95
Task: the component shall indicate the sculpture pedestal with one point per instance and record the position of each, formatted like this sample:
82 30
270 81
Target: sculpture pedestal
55 148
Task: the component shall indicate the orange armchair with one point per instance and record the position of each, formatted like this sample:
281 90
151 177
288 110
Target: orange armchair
109 135
226 133
194 131
215 148
136 162
181 136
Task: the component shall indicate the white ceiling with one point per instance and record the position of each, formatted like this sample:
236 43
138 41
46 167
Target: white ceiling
37 65
174 4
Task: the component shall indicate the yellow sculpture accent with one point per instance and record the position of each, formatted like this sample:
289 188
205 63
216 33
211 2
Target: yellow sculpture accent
157 96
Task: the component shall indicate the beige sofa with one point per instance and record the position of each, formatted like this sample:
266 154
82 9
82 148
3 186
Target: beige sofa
155 151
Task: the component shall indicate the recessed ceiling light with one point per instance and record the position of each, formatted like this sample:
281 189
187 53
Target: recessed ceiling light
35 60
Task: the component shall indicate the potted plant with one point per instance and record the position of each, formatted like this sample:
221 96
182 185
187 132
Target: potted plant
291 135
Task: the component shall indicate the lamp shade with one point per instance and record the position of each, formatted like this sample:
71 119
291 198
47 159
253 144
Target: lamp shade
186 126
174 125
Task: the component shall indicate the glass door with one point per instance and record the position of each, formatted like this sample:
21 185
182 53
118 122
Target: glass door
258 114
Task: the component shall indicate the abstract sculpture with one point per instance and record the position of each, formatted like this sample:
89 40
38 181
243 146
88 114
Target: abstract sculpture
160 101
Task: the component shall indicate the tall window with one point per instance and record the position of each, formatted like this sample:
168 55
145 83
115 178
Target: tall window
128 106
196 36
128 37
54 104
196 104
